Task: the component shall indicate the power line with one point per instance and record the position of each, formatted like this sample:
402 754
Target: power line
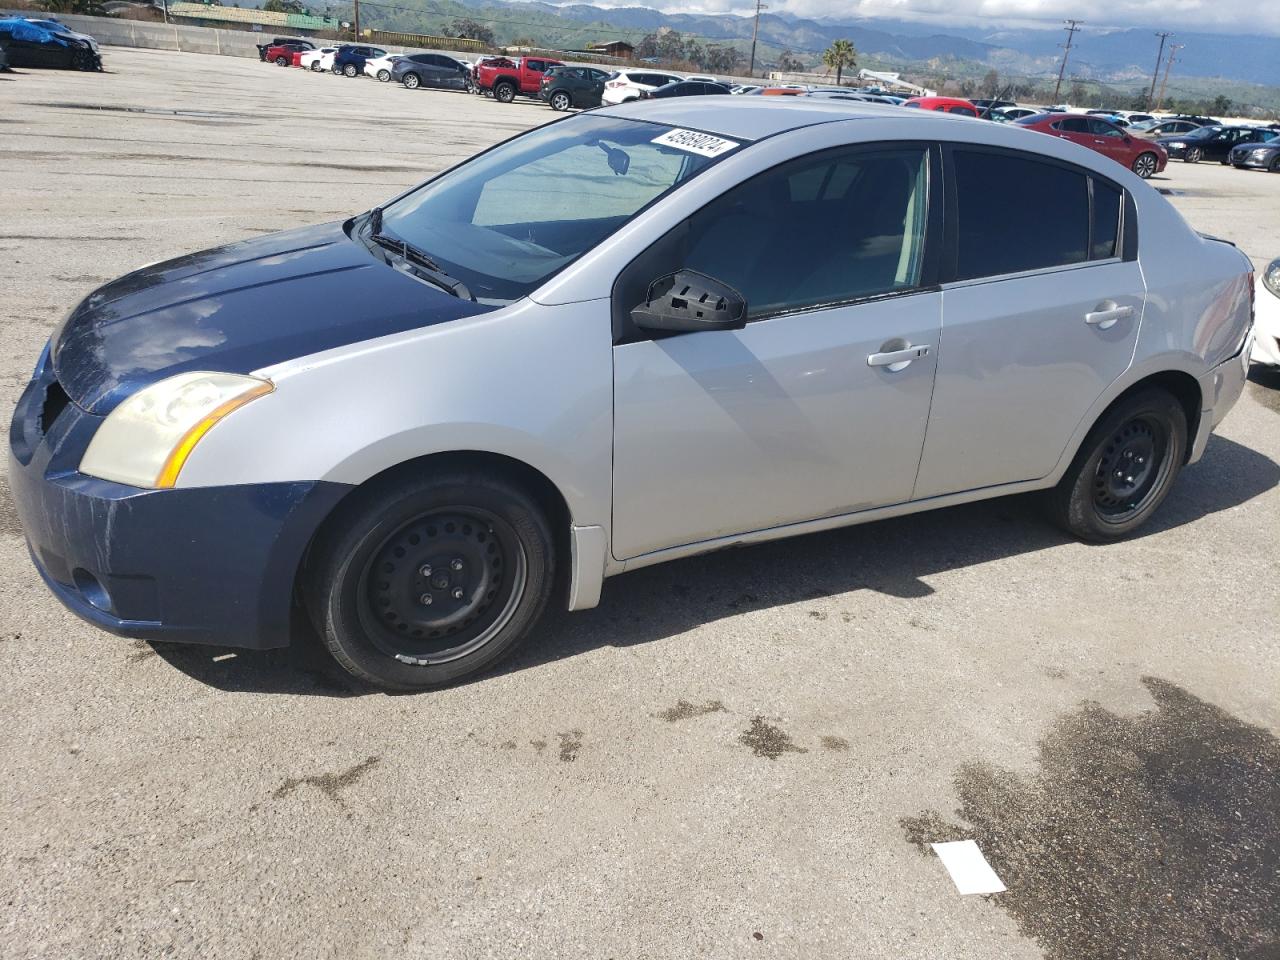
1151 96
755 31
1072 27
1168 65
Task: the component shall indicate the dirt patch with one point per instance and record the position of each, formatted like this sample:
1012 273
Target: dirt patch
766 740
683 710
327 783
1156 836
835 744
570 744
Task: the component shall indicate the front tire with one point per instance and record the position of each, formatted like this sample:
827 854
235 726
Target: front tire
423 580
1144 165
1125 468
504 93
411 81
560 101
1193 155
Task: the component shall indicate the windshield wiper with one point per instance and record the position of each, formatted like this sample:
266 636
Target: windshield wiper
426 268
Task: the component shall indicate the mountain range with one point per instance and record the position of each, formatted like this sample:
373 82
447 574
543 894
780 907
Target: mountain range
1101 54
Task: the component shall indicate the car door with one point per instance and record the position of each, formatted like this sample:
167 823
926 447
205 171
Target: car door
817 406
1109 139
1042 304
1075 129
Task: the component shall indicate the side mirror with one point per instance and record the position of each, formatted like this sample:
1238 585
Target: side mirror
687 301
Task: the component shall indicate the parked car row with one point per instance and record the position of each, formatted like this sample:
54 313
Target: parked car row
1143 142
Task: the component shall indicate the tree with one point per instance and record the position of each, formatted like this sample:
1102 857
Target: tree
1221 104
722 59
464 28
990 85
283 6
839 57
788 62
647 48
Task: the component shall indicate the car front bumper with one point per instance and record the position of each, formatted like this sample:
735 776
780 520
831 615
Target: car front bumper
210 565
1247 159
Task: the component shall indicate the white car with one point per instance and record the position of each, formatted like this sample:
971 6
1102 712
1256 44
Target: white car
630 84
1266 326
380 67
1016 113
321 61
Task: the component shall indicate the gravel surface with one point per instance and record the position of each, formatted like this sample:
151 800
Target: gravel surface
739 755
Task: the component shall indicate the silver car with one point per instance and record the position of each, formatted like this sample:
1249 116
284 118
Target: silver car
625 337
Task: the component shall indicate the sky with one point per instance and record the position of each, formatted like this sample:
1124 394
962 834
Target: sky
1214 16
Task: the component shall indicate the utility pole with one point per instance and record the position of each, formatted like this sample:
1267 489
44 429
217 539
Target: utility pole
357 18
1072 27
1151 97
1168 65
755 30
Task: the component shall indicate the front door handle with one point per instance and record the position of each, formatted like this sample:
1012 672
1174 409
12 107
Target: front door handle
1107 315
897 360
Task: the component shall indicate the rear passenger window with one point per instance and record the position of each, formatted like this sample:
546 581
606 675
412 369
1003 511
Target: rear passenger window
1017 214
823 229
1105 239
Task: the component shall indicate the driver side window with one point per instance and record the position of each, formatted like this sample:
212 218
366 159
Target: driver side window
828 228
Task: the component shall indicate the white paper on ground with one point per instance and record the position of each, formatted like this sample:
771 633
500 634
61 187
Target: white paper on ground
968 867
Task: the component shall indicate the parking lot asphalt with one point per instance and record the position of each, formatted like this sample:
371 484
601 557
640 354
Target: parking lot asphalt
739 755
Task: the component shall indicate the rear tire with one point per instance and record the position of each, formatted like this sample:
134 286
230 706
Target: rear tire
1124 469
281 62
560 101
504 92
349 70
315 66
384 76
1144 165
411 81
474 546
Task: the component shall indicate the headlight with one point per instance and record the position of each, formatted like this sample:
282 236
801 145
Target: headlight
146 439
1271 276
1260 154
1176 145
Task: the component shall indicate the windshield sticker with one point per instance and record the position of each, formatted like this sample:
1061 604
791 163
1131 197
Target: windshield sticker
691 141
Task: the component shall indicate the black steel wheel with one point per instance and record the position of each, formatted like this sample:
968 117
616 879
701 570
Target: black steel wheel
560 101
1125 468
1145 165
420 581
442 585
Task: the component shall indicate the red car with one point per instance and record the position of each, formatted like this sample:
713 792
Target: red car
1143 157
296 59
944 104
506 77
281 54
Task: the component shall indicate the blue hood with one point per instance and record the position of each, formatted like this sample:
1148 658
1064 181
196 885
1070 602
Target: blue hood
236 309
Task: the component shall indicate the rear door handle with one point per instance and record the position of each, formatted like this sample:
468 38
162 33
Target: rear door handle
897 360
1107 315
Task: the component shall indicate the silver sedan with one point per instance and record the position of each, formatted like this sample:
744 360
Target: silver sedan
628 336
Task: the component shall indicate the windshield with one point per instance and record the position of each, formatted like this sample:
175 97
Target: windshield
507 220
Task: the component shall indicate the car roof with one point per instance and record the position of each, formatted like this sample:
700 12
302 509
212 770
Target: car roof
753 118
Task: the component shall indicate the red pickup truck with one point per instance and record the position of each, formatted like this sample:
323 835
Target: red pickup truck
506 78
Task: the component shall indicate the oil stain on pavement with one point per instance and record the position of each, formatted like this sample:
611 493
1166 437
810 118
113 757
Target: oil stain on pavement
766 740
327 783
1156 836
683 710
